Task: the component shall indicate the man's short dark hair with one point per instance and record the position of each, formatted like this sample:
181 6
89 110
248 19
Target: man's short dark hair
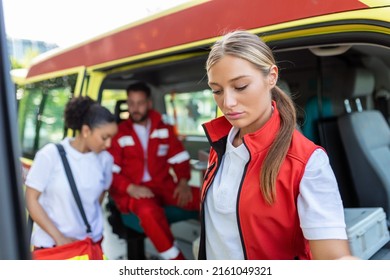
139 86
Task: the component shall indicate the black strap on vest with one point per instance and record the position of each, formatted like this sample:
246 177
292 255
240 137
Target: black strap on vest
73 185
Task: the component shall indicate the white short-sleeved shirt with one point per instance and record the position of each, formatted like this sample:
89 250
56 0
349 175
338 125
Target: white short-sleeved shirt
320 208
92 173
143 132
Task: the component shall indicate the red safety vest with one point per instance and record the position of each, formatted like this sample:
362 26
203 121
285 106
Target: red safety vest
267 231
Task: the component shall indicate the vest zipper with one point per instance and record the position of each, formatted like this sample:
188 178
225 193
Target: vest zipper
238 202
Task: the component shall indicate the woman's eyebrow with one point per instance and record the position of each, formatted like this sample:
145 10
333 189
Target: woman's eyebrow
231 80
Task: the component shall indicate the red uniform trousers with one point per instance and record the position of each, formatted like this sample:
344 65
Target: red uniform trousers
152 216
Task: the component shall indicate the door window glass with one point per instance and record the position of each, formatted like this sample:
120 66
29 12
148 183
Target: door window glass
189 110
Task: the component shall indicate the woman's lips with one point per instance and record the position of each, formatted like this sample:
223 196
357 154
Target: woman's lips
234 115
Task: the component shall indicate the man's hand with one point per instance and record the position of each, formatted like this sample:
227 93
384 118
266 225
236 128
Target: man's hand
139 191
182 193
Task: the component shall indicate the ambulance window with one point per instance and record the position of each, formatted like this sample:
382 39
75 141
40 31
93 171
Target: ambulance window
40 112
188 110
52 128
28 119
111 96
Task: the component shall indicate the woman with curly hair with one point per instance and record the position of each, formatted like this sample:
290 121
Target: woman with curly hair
49 198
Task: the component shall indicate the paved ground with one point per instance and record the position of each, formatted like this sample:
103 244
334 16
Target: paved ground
114 247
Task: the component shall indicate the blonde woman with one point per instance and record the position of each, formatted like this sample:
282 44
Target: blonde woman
269 192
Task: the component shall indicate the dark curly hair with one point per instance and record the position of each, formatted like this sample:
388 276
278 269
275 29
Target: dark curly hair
84 110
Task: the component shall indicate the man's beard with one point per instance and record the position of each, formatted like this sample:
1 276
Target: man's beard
143 117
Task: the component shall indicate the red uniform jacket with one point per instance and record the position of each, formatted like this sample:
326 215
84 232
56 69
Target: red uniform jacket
164 151
267 231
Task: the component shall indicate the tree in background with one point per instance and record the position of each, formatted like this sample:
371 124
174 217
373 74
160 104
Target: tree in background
30 54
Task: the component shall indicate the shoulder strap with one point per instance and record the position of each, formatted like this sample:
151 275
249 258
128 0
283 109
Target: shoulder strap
73 185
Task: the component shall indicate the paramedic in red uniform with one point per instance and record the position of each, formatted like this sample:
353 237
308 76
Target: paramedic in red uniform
144 151
268 192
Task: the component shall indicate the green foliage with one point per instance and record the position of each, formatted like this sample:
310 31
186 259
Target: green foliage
26 61
15 64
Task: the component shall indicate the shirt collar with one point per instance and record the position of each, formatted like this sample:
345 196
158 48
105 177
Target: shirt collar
140 127
259 140
70 151
241 150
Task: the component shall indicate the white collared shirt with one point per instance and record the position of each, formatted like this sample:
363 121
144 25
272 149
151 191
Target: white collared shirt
318 220
143 132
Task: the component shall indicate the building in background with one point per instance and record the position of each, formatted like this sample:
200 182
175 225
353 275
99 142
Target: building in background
19 47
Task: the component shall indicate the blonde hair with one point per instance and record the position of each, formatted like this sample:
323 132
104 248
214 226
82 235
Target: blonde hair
247 46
